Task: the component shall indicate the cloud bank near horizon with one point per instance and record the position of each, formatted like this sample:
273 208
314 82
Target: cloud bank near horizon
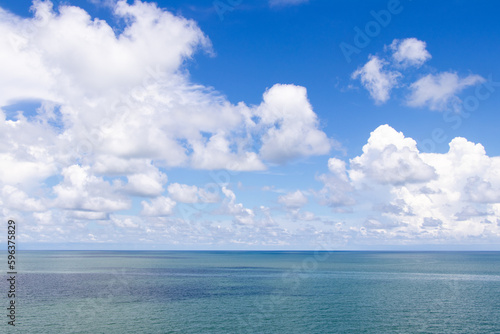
116 110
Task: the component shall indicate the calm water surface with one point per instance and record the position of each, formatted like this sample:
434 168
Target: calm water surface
256 292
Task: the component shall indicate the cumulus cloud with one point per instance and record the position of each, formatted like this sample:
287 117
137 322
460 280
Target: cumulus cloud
410 52
16 199
390 158
290 125
293 200
80 190
184 193
431 222
158 207
376 80
124 222
338 168
215 153
479 190
148 183
469 212
117 109
409 195
70 52
293 203
109 87
439 91
27 151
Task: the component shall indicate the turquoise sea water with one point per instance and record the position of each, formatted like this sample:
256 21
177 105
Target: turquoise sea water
255 292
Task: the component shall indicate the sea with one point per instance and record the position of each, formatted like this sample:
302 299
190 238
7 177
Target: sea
254 292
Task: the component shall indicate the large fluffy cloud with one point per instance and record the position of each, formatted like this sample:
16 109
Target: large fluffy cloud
122 96
69 53
117 108
390 158
290 125
408 195
80 190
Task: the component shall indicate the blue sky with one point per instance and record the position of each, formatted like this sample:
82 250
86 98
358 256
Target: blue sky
251 124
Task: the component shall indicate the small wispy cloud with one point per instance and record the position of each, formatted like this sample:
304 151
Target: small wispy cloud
376 80
440 91
435 91
410 52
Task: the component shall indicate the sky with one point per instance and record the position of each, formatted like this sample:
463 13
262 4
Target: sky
252 125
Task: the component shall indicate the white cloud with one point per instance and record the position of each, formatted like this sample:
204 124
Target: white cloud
410 52
293 203
306 216
390 158
293 200
110 87
229 206
215 153
435 91
125 222
80 190
431 222
481 191
113 165
149 183
117 108
407 195
469 212
337 167
439 91
337 188
16 199
27 151
88 215
158 207
376 80
70 52
184 193
290 125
